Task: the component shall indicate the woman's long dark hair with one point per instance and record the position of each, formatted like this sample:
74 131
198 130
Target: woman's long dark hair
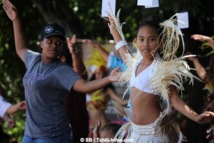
153 21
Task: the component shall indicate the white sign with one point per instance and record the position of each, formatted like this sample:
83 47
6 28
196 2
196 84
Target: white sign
183 20
148 3
155 3
144 2
108 6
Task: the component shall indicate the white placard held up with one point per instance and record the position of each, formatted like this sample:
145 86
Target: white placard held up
144 2
183 20
108 6
155 3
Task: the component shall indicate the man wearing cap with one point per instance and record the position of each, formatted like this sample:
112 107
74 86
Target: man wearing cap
47 82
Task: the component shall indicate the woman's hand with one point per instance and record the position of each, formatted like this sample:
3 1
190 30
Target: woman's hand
201 38
115 75
112 27
21 105
205 117
71 43
111 24
10 10
204 38
11 123
96 129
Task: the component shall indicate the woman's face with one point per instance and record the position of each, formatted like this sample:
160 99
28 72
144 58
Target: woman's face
51 47
147 40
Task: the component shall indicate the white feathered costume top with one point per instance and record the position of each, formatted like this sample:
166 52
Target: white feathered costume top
162 75
168 69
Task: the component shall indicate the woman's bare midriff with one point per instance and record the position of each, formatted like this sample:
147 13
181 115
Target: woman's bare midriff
145 107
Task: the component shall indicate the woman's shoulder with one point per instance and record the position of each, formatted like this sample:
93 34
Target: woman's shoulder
63 67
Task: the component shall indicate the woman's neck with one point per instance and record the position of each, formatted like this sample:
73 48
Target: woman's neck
147 61
48 60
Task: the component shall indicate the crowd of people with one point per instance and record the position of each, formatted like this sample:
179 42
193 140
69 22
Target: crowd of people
56 84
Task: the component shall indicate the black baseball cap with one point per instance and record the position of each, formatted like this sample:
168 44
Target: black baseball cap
52 29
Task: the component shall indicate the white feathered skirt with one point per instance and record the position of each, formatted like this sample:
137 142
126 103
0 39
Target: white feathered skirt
150 133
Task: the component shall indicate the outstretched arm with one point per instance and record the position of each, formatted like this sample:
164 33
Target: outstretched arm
203 38
183 108
86 87
14 108
20 42
117 38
